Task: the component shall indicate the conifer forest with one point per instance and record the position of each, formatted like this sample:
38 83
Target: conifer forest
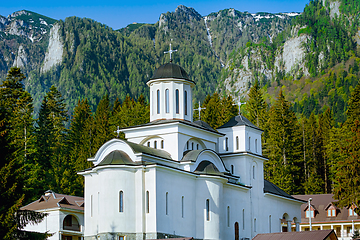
52 121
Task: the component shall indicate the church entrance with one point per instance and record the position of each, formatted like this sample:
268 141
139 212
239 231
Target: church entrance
237 231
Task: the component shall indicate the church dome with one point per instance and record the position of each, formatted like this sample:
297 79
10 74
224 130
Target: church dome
170 70
116 157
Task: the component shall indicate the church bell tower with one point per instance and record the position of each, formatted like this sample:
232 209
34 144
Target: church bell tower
170 93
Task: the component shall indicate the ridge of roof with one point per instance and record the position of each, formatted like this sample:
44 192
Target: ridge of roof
239 120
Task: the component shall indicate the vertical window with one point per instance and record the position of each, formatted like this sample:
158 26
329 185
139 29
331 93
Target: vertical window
147 202
91 205
197 146
333 213
192 146
148 144
237 143
166 203
254 224
269 223
227 144
182 206
167 105
162 144
228 216
177 101
155 144
158 101
187 145
207 210
243 218
185 102
121 201
256 146
232 169
329 212
249 142
253 172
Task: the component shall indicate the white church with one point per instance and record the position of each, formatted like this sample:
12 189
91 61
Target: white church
175 178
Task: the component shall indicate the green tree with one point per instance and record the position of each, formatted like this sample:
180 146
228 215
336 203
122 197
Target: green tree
15 119
102 131
283 147
256 106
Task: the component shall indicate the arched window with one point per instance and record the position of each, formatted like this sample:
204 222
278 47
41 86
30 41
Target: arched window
148 144
249 142
162 144
158 101
166 203
121 201
167 104
256 146
236 226
254 224
228 216
243 219
185 102
71 223
197 146
177 101
182 206
269 223
237 143
187 145
227 144
232 169
147 202
155 144
207 210
253 172
192 146
91 205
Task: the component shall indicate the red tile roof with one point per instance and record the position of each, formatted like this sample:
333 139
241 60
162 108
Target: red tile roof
307 235
56 200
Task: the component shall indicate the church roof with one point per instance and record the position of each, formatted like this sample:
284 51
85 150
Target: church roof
115 158
170 70
56 200
239 120
206 167
197 124
138 148
269 187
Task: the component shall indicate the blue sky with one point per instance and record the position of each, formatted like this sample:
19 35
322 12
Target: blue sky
118 14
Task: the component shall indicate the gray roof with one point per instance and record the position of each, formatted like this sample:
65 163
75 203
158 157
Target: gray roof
269 187
116 158
170 70
206 167
239 120
197 124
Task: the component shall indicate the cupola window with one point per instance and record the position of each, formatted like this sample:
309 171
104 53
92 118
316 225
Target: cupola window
121 201
185 102
237 143
162 144
155 144
158 101
207 210
256 146
167 106
227 144
177 101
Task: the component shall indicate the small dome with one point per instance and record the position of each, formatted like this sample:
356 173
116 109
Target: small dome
116 158
170 70
206 167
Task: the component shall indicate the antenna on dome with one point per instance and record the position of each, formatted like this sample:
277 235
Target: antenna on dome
170 51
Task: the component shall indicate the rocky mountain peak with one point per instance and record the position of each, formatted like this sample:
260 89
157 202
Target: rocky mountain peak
191 12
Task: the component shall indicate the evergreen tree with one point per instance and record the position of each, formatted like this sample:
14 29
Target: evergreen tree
283 147
256 106
102 131
15 119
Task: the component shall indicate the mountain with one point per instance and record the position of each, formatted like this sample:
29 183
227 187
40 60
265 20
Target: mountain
315 61
84 58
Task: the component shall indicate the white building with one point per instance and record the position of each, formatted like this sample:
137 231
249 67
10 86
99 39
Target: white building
176 178
65 216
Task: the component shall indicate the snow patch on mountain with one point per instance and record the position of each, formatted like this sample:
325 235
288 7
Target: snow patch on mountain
55 49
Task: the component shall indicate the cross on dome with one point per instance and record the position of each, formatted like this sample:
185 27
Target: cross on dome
118 131
170 51
199 109
239 104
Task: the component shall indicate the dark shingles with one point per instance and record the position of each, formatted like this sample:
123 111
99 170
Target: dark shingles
239 120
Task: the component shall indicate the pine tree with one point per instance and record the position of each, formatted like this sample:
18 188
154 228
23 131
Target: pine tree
283 147
256 106
15 119
102 131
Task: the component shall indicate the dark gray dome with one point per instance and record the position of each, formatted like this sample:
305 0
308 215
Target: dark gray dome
170 70
116 157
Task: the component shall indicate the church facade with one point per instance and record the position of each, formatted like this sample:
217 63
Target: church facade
173 177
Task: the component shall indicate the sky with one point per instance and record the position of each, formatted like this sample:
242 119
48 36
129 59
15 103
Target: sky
118 14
